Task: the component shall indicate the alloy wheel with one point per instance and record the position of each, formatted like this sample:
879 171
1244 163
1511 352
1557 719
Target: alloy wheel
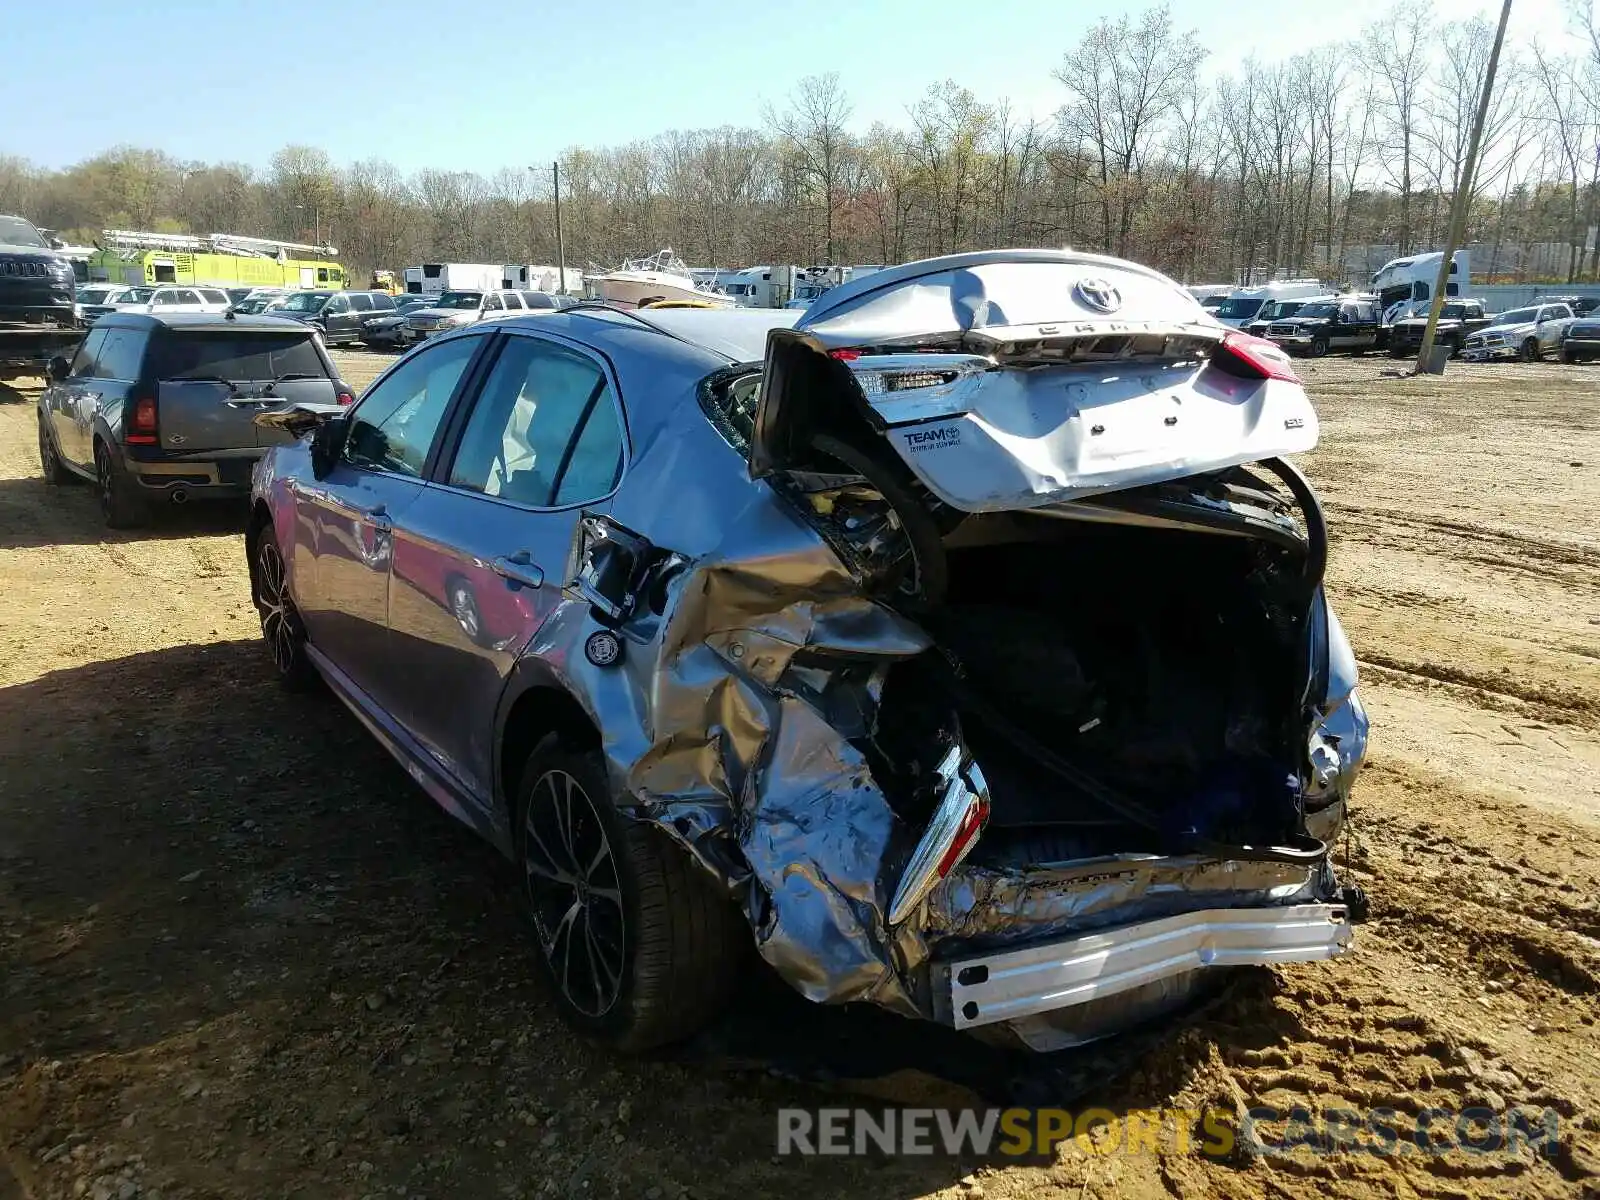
465 610
575 892
278 622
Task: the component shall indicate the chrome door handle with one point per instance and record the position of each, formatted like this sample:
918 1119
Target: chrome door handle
519 568
376 516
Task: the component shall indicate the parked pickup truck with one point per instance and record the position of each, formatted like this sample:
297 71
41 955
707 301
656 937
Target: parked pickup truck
1581 340
1343 323
1526 333
38 300
1457 319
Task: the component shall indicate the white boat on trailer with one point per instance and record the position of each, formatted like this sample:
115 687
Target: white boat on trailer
662 276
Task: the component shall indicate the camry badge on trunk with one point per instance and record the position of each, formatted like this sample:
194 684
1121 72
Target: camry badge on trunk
1099 294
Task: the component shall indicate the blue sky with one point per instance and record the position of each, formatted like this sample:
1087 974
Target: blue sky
518 82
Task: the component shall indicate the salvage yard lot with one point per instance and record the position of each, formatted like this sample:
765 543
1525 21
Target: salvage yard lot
241 955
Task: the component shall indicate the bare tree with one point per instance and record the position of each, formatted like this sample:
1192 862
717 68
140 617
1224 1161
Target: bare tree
812 131
1124 81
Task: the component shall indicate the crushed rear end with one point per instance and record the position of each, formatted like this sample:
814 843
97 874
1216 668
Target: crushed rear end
1061 722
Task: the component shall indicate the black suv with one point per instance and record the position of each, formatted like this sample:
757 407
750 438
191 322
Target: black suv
164 407
37 293
341 317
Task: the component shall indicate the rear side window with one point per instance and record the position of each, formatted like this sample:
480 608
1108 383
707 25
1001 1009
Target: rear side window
544 431
188 296
214 297
538 300
119 356
164 298
382 302
236 355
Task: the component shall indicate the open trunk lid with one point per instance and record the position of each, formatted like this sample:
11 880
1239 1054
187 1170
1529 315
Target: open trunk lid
1016 379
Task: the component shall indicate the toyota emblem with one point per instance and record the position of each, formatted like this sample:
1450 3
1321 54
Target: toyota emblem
1099 294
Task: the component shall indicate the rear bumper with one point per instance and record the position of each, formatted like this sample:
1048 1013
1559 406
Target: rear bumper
1016 984
224 476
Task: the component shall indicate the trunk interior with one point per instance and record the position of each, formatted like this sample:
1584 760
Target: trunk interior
1124 689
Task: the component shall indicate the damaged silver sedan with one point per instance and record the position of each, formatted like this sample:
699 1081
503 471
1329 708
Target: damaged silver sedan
961 646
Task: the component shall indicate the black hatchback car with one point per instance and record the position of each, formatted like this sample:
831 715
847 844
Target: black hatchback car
163 408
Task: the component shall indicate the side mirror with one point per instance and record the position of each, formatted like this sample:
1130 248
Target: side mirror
611 564
58 367
57 244
327 443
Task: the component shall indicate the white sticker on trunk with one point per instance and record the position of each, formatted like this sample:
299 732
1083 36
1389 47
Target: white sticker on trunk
932 437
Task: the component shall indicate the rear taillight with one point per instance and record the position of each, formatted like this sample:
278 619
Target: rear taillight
1242 354
958 819
845 355
345 397
142 423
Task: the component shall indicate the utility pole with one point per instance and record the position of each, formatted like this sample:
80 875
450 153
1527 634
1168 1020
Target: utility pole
1461 205
561 245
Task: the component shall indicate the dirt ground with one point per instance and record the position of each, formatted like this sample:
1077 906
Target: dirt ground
241 955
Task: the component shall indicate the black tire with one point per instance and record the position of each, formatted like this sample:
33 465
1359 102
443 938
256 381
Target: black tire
1530 351
660 944
281 628
1396 352
1319 347
1567 356
49 461
120 502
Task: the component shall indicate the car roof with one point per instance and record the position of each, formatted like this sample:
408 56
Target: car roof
205 322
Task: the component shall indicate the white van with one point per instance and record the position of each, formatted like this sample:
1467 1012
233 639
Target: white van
1242 306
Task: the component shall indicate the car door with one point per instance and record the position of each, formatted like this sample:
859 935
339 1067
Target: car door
480 558
68 400
344 521
1552 324
336 318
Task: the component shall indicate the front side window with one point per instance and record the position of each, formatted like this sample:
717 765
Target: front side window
544 431
338 304
393 427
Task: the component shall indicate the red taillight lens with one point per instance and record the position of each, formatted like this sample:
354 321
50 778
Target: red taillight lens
1241 354
142 424
344 397
972 823
845 355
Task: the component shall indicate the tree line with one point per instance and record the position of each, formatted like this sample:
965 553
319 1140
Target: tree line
1290 166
